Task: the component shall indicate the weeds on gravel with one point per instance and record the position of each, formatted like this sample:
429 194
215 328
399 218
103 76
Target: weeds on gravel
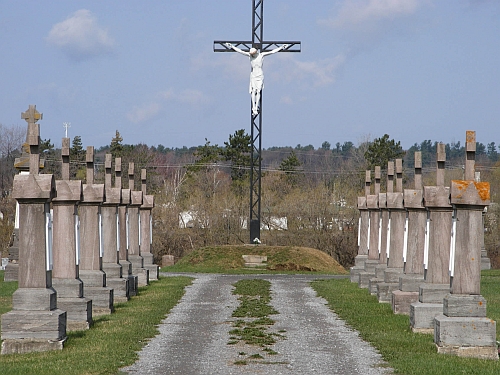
254 308
112 342
407 352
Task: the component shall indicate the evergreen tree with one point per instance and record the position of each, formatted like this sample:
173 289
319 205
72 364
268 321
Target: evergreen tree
383 150
77 159
116 146
238 151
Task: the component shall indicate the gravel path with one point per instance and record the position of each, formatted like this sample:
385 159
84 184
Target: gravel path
193 338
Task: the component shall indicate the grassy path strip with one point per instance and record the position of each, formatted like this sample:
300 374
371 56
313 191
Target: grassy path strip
113 341
405 351
254 308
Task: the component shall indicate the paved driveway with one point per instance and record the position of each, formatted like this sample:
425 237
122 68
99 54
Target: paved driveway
194 337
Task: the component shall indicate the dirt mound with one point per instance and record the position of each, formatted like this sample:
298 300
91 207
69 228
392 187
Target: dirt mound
279 258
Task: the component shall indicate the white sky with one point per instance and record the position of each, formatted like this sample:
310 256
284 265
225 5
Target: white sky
414 69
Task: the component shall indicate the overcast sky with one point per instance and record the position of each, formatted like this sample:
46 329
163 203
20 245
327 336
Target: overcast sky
414 69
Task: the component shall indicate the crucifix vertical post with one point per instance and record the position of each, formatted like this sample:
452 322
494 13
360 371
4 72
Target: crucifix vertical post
258 43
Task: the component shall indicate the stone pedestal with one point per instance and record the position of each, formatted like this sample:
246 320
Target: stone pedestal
90 268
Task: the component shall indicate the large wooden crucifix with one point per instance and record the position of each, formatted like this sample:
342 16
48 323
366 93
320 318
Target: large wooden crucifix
256 49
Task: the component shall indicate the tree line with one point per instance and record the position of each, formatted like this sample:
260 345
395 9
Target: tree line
314 189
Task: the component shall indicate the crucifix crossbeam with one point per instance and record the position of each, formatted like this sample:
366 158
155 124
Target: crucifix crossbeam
256 49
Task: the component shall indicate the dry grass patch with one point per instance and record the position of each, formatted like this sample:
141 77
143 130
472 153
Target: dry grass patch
228 258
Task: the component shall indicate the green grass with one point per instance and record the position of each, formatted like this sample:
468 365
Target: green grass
113 341
6 290
252 329
405 351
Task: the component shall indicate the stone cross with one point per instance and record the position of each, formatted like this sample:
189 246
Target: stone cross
372 203
35 323
110 259
397 218
463 328
409 283
91 272
33 137
134 255
437 278
146 228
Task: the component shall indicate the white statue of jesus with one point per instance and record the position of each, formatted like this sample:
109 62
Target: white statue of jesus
256 75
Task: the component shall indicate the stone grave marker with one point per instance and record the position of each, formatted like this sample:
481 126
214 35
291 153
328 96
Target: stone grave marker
22 166
35 323
409 282
65 272
146 230
383 232
436 274
123 231
463 328
359 261
372 203
136 200
91 272
397 218
110 255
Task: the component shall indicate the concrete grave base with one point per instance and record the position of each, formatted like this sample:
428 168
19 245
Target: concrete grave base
410 282
433 293
120 289
464 305
359 260
139 270
372 285
112 270
364 279
153 270
92 278
392 275
34 299
67 288
401 301
485 261
370 265
133 285
31 345
148 263
481 352
384 291
25 331
142 276
126 267
422 316
354 273
11 272
79 312
380 271
466 336
102 300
